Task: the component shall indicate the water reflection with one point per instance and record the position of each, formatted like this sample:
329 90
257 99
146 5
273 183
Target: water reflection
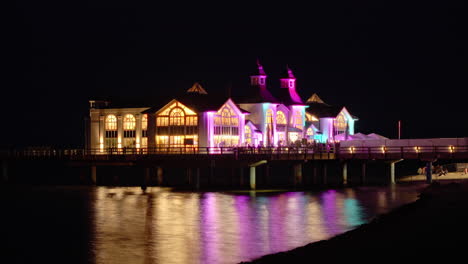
161 226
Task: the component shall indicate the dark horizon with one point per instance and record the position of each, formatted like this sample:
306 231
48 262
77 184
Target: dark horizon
384 63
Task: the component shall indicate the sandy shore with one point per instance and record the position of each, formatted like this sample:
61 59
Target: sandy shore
435 227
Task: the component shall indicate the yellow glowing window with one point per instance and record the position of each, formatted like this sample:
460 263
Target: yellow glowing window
269 116
162 121
144 122
129 122
192 121
297 119
340 122
177 117
217 120
310 131
111 122
280 118
226 117
248 135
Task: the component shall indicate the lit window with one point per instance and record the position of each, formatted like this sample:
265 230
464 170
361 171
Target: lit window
248 135
111 122
144 122
269 116
340 124
177 117
280 118
298 119
310 132
129 122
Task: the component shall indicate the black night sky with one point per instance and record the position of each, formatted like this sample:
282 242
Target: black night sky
384 62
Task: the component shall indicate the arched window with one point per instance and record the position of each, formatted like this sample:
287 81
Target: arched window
129 122
111 123
340 124
176 117
280 118
269 116
144 122
111 132
248 135
226 127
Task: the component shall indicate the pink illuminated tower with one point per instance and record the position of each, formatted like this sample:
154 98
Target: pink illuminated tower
288 94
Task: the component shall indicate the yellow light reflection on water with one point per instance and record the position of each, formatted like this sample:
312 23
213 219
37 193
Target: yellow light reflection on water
164 226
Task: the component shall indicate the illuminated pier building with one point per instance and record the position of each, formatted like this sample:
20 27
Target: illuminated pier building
196 119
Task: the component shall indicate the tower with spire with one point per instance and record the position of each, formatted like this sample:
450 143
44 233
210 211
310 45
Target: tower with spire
288 94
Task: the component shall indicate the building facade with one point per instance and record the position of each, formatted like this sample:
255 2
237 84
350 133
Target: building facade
196 120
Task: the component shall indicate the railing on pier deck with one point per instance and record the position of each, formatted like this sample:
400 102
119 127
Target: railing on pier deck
321 151
318 151
403 152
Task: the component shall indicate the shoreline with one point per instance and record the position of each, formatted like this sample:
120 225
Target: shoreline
435 225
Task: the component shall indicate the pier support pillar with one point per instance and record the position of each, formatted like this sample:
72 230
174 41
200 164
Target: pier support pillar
197 180
212 172
297 172
345 173
267 174
93 174
392 173
189 176
314 175
146 178
5 170
363 172
252 178
241 176
429 172
324 176
159 175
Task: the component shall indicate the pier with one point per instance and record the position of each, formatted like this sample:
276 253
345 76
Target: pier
246 166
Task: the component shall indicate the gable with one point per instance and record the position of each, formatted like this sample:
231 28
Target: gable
172 104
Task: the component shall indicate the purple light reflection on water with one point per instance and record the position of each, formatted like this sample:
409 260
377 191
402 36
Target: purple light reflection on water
208 229
330 212
214 227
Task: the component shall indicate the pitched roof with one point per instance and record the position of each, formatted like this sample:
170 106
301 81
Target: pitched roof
197 88
195 100
323 110
315 99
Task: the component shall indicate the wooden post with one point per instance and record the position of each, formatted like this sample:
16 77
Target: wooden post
297 169
363 172
189 175
314 176
212 172
197 182
324 173
159 175
93 174
241 176
345 173
146 178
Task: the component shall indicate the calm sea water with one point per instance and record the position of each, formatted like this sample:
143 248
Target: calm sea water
127 225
